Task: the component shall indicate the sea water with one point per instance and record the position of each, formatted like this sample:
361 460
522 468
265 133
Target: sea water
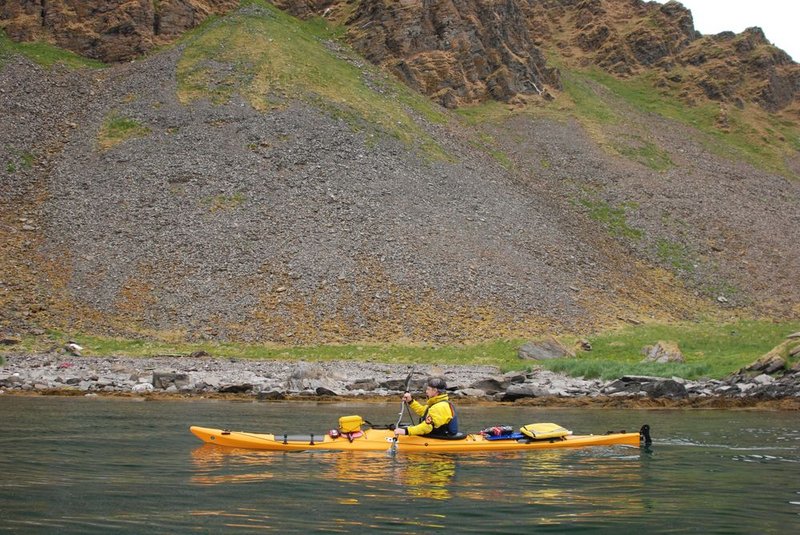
110 465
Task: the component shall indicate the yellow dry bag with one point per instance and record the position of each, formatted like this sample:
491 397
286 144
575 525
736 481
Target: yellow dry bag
544 430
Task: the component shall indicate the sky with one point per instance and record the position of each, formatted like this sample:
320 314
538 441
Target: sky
777 18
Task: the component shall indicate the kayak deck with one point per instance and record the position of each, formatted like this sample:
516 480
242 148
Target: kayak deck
382 440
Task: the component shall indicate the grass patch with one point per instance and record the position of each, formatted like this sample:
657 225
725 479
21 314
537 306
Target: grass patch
21 160
271 59
224 202
752 134
612 217
486 143
588 104
502 353
490 111
646 153
117 129
44 54
675 254
712 350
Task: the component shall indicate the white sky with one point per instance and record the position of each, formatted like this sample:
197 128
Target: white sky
778 18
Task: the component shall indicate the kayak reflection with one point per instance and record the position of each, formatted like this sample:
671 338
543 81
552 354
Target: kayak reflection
420 475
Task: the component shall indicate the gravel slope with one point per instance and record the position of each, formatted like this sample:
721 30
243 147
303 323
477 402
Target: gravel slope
227 223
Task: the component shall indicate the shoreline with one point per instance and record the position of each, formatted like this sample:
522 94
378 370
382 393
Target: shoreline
205 377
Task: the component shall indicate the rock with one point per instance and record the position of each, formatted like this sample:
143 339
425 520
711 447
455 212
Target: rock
108 29
512 378
363 384
763 379
663 352
472 393
549 348
456 53
323 391
10 340
142 388
794 336
515 392
270 395
487 386
163 380
73 349
665 388
236 388
769 364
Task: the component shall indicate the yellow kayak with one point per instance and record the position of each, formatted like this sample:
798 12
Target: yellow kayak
383 439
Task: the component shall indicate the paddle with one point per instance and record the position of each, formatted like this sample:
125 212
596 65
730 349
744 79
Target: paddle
403 406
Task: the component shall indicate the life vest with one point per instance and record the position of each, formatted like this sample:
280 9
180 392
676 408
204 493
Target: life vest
450 428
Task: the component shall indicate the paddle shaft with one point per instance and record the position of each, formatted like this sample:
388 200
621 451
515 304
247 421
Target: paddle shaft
403 406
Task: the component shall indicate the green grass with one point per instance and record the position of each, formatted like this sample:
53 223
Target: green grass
487 144
272 59
712 350
646 153
224 202
117 129
500 353
22 160
675 254
583 91
612 217
44 54
753 135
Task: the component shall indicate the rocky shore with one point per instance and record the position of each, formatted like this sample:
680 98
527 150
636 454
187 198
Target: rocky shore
206 376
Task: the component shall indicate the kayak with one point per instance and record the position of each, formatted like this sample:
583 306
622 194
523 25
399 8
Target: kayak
384 440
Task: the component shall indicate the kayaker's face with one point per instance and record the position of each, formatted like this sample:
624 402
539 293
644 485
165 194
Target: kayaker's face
431 392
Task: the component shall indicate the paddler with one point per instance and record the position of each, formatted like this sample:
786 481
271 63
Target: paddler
437 417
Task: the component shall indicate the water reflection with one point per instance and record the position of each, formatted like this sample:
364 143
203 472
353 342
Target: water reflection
421 475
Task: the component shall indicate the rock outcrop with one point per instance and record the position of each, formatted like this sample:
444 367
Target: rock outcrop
108 30
464 51
458 51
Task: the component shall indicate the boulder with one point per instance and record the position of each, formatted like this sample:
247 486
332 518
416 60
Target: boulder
237 388
769 364
10 340
323 391
472 393
265 395
363 384
487 386
663 352
549 348
665 388
763 379
525 390
162 380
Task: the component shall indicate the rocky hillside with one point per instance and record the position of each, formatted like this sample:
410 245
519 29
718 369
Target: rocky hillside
261 180
465 51
109 30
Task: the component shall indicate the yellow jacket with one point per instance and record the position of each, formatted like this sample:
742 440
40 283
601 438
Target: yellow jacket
439 414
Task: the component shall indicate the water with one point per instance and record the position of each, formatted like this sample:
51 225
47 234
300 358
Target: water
99 465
